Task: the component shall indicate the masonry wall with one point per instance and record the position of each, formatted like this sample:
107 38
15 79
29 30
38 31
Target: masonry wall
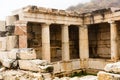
99 40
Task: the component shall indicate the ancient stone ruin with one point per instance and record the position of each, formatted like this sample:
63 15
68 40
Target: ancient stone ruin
67 42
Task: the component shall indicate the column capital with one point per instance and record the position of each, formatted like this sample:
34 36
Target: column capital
111 22
21 23
45 24
84 26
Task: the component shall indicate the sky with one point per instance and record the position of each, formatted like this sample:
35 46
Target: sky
7 6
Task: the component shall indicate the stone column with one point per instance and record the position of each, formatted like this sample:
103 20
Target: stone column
46 42
114 41
21 31
65 43
83 42
83 46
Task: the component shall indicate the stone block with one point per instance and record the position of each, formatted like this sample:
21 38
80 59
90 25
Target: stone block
23 53
12 42
57 67
3 41
76 64
113 67
23 41
2 25
35 65
108 76
21 75
93 63
66 66
9 63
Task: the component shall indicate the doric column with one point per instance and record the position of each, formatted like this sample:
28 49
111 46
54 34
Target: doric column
65 43
114 41
21 31
83 42
46 42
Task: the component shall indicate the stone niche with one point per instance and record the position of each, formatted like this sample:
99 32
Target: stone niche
99 40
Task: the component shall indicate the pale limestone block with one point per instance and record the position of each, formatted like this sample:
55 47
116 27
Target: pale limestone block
35 65
21 75
22 53
57 67
66 66
3 41
113 67
74 78
10 20
12 42
93 63
2 26
75 64
88 77
107 76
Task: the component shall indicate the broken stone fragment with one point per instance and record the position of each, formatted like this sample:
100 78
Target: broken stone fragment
35 65
9 63
108 76
21 75
113 67
23 53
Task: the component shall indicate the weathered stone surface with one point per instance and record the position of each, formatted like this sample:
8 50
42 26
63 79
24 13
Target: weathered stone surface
35 65
23 41
3 43
9 63
88 77
21 75
113 67
6 62
12 42
23 53
108 76
2 25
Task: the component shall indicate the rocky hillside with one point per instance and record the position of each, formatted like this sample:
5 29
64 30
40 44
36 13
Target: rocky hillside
94 4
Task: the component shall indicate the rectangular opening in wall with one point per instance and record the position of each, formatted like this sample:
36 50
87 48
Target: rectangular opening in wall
99 41
74 41
34 38
55 42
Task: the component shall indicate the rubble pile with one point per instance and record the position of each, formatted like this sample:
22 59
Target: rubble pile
22 64
111 72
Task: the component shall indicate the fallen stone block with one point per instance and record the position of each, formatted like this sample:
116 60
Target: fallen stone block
113 67
35 65
23 53
108 76
9 63
3 55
